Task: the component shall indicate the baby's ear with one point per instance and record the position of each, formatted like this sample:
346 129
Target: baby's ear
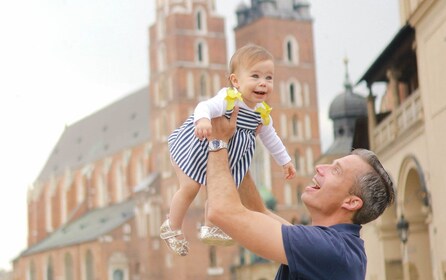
233 80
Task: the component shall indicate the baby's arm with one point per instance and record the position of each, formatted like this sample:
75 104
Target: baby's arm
275 146
203 128
205 111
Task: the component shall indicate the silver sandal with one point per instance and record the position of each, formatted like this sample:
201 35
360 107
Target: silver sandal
215 236
179 246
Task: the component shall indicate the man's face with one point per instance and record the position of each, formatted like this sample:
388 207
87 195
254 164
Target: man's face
332 184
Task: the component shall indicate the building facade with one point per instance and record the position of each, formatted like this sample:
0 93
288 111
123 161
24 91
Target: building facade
96 208
406 128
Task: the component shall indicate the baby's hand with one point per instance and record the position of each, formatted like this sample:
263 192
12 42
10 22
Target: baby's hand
203 128
289 171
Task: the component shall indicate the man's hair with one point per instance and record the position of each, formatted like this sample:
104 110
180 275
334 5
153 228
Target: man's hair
247 56
375 188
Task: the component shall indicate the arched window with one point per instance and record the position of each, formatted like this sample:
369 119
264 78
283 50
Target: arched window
292 93
295 126
68 262
309 156
203 87
118 266
299 194
190 85
32 271
291 50
307 127
118 274
297 160
199 19
89 266
49 269
101 194
201 52
161 58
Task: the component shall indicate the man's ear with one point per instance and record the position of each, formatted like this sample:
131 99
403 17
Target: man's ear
234 81
352 203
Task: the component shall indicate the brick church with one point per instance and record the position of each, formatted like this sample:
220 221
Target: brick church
95 209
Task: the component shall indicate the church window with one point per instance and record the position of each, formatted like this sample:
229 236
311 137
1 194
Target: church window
190 85
292 94
32 271
295 94
297 160
309 156
201 52
89 266
68 263
295 126
203 87
161 58
307 127
50 269
288 195
291 50
118 274
200 20
306 95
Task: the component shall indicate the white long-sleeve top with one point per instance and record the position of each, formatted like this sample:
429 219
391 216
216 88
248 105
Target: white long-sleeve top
216 107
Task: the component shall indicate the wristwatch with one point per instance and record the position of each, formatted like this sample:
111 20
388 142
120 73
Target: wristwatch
216 145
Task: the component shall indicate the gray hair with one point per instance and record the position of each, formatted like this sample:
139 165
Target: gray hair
375 188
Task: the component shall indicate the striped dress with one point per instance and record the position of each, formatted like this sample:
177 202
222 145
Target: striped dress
191 154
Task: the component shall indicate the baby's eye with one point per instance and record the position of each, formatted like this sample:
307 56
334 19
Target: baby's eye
255 76
269 78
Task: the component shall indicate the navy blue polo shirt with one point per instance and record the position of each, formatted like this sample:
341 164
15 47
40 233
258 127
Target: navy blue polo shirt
317 253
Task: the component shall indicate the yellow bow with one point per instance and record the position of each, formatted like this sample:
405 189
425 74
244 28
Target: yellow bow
264 111
232 95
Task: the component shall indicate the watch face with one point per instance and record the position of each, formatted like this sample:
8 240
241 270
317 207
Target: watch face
215 144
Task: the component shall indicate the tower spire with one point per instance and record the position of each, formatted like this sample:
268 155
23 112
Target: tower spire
347 83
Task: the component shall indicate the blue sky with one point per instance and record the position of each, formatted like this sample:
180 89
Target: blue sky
61 60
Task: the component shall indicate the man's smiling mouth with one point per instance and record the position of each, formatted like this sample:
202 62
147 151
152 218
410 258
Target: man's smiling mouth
316 185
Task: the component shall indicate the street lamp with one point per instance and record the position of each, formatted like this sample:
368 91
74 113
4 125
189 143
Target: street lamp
403 229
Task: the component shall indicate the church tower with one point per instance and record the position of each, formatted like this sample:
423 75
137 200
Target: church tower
285 28
188 62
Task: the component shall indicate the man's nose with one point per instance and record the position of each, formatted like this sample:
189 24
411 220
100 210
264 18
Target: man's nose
320 168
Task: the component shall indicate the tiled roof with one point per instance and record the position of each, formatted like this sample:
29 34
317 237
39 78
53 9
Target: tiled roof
125 123
87 228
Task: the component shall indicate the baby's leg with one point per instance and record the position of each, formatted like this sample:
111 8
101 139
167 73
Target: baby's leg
182 198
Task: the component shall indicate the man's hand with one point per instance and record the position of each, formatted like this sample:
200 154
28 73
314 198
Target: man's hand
222 128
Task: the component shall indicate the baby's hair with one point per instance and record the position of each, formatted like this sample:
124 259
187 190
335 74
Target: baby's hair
247 56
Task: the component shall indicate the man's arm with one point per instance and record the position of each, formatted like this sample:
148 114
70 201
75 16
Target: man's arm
255 231
251 199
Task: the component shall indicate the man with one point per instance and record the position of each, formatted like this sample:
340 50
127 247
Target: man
351 191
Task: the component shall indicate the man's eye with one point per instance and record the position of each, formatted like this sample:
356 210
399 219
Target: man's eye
335 171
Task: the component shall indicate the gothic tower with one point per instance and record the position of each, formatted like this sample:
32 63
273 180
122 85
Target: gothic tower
188 62
285 28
